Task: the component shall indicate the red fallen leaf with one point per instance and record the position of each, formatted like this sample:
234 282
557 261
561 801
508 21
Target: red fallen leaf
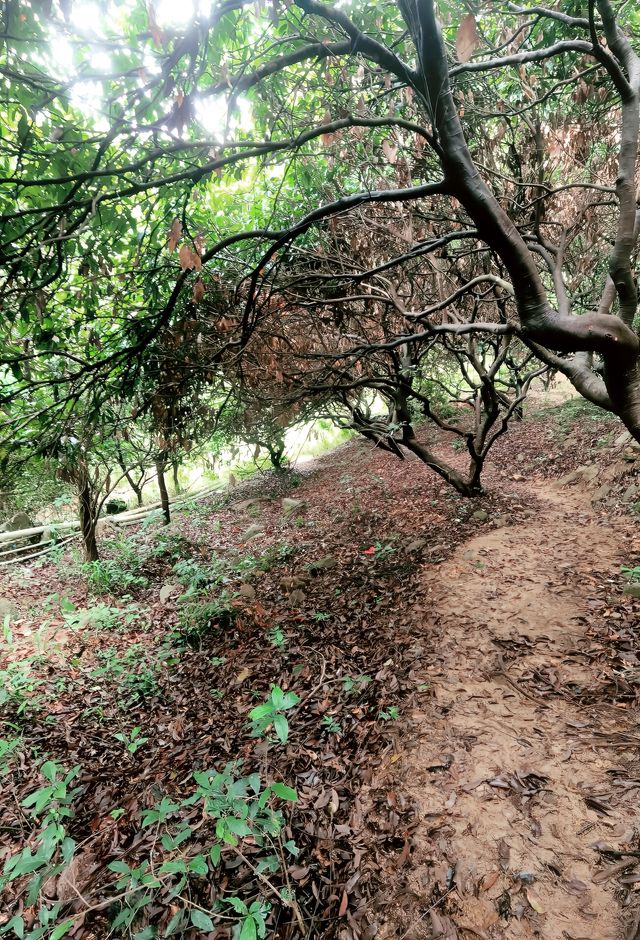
344 903
369 551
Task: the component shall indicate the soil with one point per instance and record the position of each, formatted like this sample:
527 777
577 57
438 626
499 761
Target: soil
466 748
512 790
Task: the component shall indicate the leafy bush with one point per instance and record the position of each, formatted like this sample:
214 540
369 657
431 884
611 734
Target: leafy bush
198 618
108 576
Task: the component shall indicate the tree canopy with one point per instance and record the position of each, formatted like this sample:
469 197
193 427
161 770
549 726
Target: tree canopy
205 179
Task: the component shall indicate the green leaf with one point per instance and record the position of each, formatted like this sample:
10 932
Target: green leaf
62 928
201 920
49 770
214 854
281 728
238 826
248 931
284 792
173 867
147 933
198 865
17 925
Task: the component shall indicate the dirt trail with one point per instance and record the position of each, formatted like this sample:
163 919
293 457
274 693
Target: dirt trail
518 851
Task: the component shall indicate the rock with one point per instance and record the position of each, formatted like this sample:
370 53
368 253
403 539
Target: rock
254 503
480 515
517 477
247 591
252 532
632 589
297 597
589 472
416 545
630 493
168 589
631 454
569 478
324 564
114 506
290 505
622 439
20 521
292 583
601 493
7 609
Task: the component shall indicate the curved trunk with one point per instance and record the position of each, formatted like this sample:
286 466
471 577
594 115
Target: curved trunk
470 487
161 461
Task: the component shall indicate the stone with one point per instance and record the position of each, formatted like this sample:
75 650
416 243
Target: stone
290 505
632 589
416 545
244 504
115 505
167 590
292 583
589 472
601 493
324 564
252 532
20 521
297 597
631 454
480 515
247 591
7 609
622 439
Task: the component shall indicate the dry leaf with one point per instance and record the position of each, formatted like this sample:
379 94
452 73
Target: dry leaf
467 38
344 903
198 291
489 880
535 901
175 233
154 29
185 256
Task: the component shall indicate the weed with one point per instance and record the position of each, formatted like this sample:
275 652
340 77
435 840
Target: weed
330 725
18 688
271 714
8 748
51 806
169 545
134 678
276 637
108 576
352 684
193 575
132 741
633 574
199 617
389 714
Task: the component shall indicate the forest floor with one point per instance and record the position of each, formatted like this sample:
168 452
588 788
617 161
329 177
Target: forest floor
461 727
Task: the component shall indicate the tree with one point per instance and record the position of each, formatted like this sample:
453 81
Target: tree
96 203
339 332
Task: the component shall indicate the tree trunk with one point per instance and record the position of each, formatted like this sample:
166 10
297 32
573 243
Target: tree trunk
162 486
136 489
88 522
175 466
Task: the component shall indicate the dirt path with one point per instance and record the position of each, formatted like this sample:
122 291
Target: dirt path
502 778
